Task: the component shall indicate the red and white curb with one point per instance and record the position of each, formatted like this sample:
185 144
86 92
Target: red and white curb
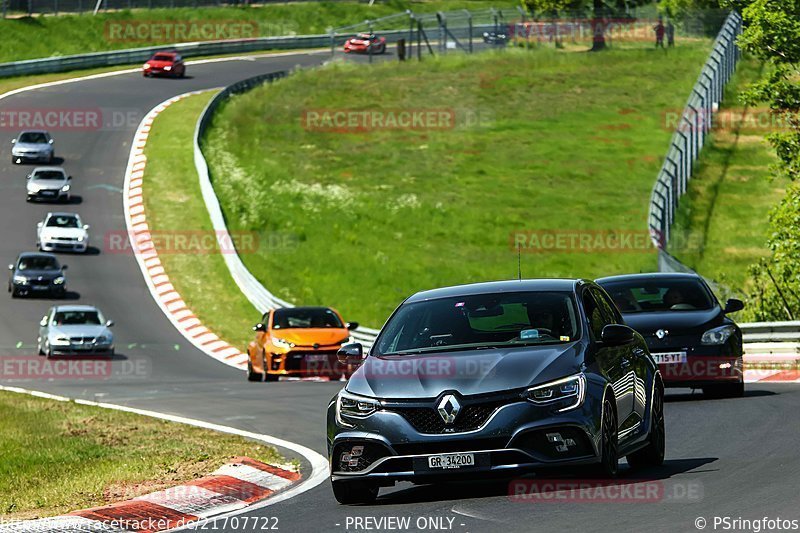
233 487
755 375
157 280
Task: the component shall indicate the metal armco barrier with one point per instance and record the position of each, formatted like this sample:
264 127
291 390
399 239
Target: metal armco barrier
691 129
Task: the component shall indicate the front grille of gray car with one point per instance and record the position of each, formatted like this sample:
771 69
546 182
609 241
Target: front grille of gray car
472 416
82 340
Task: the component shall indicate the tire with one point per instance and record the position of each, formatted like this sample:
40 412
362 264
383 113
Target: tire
608 468
354 492
48 352
253 376
14 293
727 390
271 378
39 349
653 453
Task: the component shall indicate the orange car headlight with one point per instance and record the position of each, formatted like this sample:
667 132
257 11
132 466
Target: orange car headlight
281 343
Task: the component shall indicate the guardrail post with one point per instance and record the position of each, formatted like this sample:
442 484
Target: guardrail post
333 41
469 23
442 32
410 33
4 8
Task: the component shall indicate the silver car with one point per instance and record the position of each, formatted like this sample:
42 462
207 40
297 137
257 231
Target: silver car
48 183
62 232
75 330
32 146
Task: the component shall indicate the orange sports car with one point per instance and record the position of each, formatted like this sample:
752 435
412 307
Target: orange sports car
298 342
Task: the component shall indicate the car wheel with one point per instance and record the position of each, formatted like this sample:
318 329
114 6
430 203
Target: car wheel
271 377
735 390
253 376
609 442
39 349
14 292
353 492
48 351
653 453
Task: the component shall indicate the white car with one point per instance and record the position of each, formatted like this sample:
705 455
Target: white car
62 232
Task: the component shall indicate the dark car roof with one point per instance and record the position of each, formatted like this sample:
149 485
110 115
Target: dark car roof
35 254
649 276
525 285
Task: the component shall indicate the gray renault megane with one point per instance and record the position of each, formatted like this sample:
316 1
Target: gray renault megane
496 378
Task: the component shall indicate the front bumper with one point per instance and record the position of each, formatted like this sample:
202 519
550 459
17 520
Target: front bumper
63 246
31 157
78 350
705 364
519 436
48 194
301 362
40 287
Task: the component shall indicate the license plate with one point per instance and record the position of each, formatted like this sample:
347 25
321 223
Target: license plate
670 358
451 460
48 193
316 358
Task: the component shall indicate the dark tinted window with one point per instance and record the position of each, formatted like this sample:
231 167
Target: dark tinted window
481 320
660 294
33 137
609 310
76 318
38 263
594 313
293 317
49 175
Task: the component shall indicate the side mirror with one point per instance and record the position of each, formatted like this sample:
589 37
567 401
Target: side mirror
352 326
13 141
86 226
109 323
51 141
69 178
64 267
350 353
39 224
11 267
260 327
733 305
43 321
616 335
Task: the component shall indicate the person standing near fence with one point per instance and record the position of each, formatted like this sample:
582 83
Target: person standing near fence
660 30
670 33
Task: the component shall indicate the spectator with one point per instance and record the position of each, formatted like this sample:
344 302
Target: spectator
660 30
670 33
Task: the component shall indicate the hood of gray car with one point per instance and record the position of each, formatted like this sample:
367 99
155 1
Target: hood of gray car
48 184
82 330
467 372
36 147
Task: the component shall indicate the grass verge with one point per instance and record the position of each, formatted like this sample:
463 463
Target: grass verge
39 37
732 183
62 456
544 142
174 204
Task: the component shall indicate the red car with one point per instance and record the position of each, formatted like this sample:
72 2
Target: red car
365 43
164 64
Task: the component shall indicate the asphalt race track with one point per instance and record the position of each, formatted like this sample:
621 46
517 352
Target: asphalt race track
734 458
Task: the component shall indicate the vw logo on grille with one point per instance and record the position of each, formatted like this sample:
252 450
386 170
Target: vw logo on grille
661 333
449 408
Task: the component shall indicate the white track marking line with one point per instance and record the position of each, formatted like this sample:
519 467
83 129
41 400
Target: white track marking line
319 464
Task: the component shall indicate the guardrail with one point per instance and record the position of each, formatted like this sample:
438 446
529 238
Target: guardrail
258 295
692 127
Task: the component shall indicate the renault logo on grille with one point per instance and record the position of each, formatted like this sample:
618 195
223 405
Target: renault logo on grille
661 333
449 408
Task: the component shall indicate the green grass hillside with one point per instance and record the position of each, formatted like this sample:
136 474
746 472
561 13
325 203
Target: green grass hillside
544 142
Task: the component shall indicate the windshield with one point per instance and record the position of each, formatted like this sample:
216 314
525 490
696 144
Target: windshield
76 318
62 222
162 57
49 175
299 317
480 321
38 263
660 295
33 138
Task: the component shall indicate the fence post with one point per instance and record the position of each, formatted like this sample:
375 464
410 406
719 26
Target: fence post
469 23
442 32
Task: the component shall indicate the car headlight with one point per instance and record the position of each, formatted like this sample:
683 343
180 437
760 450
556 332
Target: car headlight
353 406
146 66
22 280
281 343
59 280
33 188
168 67
65 188
571 389
81 238
719 335
104 339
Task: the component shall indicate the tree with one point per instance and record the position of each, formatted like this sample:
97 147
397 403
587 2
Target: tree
772 34
600 10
